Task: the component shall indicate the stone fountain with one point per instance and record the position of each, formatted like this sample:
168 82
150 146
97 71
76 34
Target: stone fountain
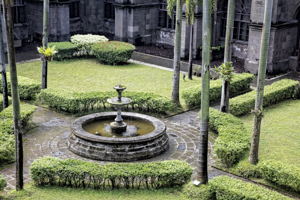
114 142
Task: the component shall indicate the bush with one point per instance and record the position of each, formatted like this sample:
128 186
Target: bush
233 141
85 42
7 149
3 182
281 174
247 170
75 102
239 83
278 91
65 50
28 88
113 52
226 188
1 101
201 192
82 174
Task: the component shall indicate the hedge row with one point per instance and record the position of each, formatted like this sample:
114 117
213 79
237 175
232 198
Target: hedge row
28 88
82 174
3 182
239 83
225 188
233 141
7 142
75 102
278 91
64 50
1 101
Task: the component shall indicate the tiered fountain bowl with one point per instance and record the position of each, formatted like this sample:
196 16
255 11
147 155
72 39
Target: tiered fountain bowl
105 136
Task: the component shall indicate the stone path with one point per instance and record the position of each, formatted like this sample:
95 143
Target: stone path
49 138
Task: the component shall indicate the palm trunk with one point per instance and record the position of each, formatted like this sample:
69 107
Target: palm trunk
215 23
7 7
190 73
224 107
45 43
253 158
3 68
206 40
177 47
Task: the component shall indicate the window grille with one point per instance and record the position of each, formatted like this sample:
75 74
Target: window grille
109 9
164 19
18 11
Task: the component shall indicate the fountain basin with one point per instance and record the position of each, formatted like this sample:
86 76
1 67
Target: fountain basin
118 149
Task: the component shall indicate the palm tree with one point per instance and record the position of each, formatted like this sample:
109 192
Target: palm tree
45 43
7 7
3 68
206 42
253 158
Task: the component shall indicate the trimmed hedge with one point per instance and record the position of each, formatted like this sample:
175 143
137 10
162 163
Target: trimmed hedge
225 188
233 141
82 174
281 174
113 52
28 88
239 83
3 182
1 101
75 102
65 50
85 42
278 91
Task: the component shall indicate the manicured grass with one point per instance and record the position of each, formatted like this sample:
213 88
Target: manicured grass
47 193
89 75
280 132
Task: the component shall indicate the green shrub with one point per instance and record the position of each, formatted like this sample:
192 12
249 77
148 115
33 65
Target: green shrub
82 174
278 91
281 174
85 42
7 149
28 88
3 182
247 170
226 188
113 52
75 102
65 50
239 83
1 101
233 141
201 192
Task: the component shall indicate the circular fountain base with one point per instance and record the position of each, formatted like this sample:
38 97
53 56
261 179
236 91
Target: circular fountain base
118 149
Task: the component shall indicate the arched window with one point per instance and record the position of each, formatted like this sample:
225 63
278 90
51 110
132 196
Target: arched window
164 20
241 20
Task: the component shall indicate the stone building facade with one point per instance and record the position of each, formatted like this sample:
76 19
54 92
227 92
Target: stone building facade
146 21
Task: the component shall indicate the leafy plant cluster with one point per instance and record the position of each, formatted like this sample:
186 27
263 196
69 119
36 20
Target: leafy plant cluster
82 174
1 101
233 141
224 188
28 88
85 42
225 70
113 52
64 50
47 52
278 91
7 142
239 83
3 182
76 102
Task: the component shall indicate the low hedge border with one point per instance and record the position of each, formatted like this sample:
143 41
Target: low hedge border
28 88
1 101
82 174
224 188
278 91
239 83
3 182
64 50
75 102
233 140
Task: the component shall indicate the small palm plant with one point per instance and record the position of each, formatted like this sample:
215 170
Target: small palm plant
47 53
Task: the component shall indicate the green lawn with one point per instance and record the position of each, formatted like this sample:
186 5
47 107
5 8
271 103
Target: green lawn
89 75
280 132
55 193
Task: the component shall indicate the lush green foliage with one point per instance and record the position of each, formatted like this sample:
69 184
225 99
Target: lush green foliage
1 101
28 88
225 70
7 148
85 42
281 173
201 192
64 50
233 140
113 52
247 170
50 51
82 174
3 182
278 91
75 102
239 83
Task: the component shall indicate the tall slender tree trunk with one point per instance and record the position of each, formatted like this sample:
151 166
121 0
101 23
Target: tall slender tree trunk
190 73
215 23
3 68
253 158
177 47
206 41
45 43
7 7
224 107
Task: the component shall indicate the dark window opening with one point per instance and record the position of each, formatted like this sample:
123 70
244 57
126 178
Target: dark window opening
109 9
18 12
164 19
74 9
